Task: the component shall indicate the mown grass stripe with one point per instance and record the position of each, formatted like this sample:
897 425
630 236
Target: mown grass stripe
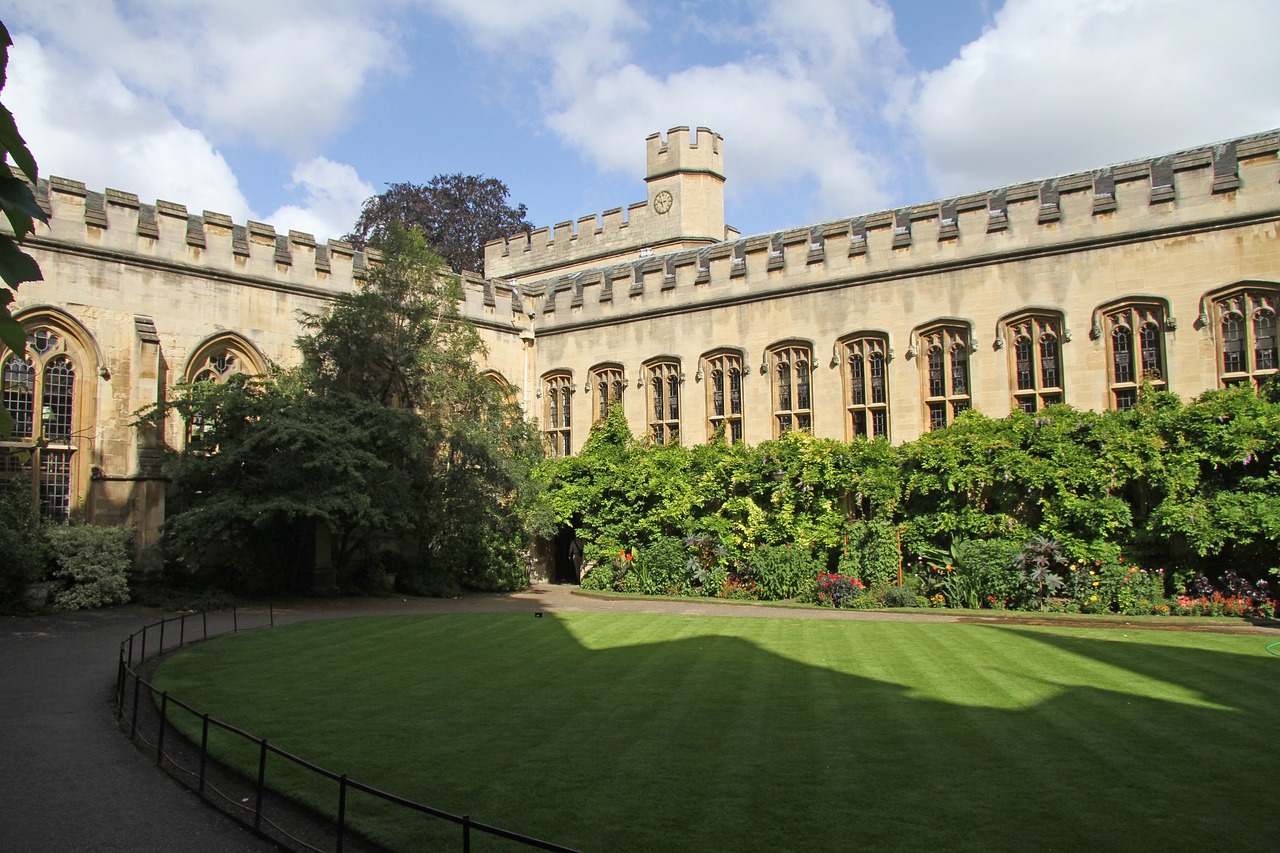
670 732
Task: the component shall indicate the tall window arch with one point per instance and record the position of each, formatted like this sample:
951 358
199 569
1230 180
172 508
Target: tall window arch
663 400
557 412
1245 322
944 372
866 381
1034 343
724 394
506 392
791 368
223 356
215 361
608 383
49 393
1134 333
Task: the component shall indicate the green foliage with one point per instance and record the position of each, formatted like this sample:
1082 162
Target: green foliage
1168 483
899 596
387 432
870 553
663 568
782 571
92 562
24 541
1117 587
18 203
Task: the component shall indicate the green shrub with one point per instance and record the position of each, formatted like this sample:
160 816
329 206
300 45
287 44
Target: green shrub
24 541
662 568
781 571
870 553
989 562
899 596
92 563
415 575
1117 587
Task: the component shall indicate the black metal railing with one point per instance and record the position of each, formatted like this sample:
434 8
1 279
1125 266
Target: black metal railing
250 798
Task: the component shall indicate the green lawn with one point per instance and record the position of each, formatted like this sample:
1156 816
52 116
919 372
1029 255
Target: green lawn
656 733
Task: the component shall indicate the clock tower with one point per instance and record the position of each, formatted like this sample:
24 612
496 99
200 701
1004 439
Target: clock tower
685 177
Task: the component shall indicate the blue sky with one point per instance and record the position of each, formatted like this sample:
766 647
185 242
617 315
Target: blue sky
294 111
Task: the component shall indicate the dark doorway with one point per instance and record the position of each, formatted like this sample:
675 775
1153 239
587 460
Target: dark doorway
563 569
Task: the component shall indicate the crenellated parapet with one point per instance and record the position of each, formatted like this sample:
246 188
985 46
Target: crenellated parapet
1178 195
116 224
684 210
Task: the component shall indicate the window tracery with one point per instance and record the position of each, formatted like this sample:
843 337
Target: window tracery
945 373
1135 344
1247 344
44 393
664 401
867 386
724 395
557 398
791 369
1034 342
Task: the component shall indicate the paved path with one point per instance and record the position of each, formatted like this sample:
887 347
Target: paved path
70 781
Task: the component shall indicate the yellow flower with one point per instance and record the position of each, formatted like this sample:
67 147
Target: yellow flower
1093 598
1097 583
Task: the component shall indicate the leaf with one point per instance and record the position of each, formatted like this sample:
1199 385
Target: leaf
12 142
16 266
11 331
20 205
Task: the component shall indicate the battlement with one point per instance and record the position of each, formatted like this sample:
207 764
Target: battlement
1167 198
681 152
117 224
684 210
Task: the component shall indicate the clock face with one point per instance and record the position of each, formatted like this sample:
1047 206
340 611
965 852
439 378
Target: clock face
662 202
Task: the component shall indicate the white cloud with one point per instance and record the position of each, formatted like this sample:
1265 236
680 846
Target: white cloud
88 126
783 105
779 130
284 73
850 46
334 193
1055 87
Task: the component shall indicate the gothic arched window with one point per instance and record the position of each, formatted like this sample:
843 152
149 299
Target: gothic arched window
867 389
791 368
48 394
945 372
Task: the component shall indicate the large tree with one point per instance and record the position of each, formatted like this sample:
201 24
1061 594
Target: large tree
388 435
457 213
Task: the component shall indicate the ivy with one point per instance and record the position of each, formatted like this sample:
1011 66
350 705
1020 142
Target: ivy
1170 483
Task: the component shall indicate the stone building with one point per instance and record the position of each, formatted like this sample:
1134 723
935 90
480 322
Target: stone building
1072 289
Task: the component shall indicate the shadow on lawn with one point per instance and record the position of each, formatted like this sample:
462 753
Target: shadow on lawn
714 741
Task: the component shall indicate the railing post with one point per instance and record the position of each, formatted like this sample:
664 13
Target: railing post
182 630
342 808
235 620
466 833
120 685
164 715
204 748
133 725
131 636
204 618
160 650
262 779
143 656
